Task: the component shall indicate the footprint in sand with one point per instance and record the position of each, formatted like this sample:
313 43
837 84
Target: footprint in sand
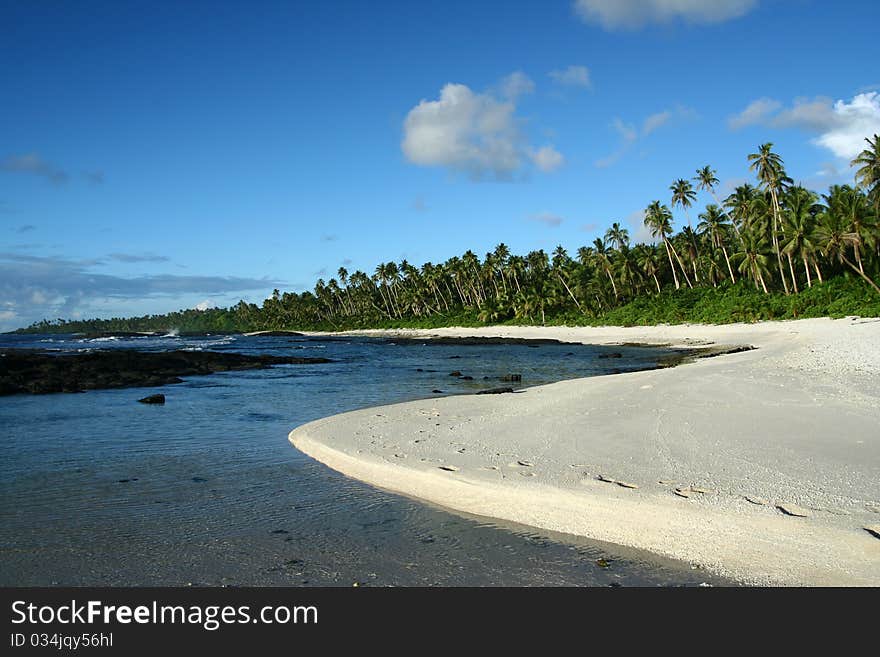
874 530
760 501
448 468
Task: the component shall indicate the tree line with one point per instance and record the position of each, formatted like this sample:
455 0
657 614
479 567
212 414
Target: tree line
775 238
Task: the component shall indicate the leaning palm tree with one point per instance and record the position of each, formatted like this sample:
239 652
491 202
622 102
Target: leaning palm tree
868 174
683 194
768 166
714 227
658 219
834 237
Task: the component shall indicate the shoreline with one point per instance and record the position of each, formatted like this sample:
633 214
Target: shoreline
792 423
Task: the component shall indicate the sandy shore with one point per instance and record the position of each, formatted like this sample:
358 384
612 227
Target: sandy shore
794 423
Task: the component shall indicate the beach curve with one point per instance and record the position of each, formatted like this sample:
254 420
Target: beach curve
718 450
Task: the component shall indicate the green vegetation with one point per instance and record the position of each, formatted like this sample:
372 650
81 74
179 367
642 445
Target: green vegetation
775 251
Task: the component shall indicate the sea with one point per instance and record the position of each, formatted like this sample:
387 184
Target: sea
205 490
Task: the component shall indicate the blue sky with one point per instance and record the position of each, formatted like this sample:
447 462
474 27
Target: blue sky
156 156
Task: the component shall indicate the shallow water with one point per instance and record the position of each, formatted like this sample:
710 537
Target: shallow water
96 489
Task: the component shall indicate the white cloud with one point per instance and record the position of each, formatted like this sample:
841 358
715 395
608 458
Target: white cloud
755 112
655 121
547 218
204 305
853 123
839 126
573 76
639 233
475 133
547 158
633 14
630 134
516 84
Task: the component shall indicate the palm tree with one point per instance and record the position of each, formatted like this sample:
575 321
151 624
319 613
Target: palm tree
768 166
647 260
713 226
833 237
561 267
706 181
751 258
602 258
852 207
658 220
868 174
799 222
683 194
617 236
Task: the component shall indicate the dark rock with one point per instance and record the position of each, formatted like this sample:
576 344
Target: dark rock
153 399
37 372
613 354
455 373
466 378
455 356
437 392
510 378
494 391
419 369
199 480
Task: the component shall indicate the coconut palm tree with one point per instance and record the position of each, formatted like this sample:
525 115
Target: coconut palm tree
617 236
658 219
649 262
706 181
714 227
868 173
752 259
683 194
834 237
769 169
799 221
602 259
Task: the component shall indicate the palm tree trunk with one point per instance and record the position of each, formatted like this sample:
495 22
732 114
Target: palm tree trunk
613 285
683 270
860 273
761 278
729 268
776 238
818 271
807 272
671 264
656 282
791 269
567 289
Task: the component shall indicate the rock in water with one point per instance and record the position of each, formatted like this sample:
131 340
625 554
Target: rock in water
153 399
792 510
494 391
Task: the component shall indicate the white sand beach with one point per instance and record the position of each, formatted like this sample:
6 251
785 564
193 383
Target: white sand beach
705 453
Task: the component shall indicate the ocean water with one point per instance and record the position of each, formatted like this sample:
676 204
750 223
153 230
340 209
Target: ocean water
97 489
